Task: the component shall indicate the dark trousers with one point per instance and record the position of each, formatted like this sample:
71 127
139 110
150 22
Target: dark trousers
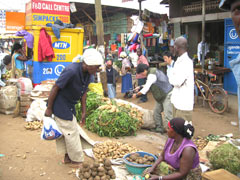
143 98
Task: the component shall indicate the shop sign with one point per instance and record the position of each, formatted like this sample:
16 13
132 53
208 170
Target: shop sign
13 23
233 34
48 7
43 19
47 70
61 45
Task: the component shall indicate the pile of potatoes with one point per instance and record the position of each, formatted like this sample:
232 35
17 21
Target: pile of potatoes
34 125
96 171
136 158
112 150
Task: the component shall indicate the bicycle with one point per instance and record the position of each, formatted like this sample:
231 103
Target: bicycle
216 96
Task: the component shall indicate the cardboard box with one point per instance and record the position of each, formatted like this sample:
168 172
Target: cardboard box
220 174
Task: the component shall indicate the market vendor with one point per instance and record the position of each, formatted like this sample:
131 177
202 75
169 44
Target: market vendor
18 58
179 152
5 61
70 87
161 89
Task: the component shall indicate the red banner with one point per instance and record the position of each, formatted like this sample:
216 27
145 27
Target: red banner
50 7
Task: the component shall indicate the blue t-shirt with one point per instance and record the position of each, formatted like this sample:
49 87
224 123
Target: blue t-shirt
73 83
18 63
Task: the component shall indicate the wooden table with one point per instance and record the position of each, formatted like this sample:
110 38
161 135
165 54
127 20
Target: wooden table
219 71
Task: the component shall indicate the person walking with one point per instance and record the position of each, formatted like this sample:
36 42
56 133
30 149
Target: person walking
140 77
112 77
126 74
161 89
70 87
182 79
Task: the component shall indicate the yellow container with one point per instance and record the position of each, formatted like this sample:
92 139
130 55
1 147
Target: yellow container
66 48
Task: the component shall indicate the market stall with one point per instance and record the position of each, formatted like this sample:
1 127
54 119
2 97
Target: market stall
61 41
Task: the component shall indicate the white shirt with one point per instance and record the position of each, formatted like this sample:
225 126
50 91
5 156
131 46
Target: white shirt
169 68
151 79
182 78
5 45
199 52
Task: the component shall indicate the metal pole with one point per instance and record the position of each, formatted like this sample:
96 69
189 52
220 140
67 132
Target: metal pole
203 34
140 18
140 9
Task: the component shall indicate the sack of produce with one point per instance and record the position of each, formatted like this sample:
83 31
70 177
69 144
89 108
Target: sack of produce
25 85
50 131
8 99
36 110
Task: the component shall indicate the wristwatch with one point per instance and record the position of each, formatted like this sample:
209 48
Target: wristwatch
160 178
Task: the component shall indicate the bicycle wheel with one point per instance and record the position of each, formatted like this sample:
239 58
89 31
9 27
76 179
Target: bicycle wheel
218 100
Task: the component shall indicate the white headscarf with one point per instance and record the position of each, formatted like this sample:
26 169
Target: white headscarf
92 57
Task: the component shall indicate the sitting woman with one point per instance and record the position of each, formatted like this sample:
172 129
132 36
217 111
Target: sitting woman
179 152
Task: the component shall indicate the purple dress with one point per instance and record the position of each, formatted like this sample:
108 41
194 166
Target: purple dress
174 159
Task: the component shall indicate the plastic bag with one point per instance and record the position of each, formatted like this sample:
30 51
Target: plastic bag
50 131
96 87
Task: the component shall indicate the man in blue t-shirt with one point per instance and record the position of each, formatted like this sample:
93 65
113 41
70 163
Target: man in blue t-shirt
70 87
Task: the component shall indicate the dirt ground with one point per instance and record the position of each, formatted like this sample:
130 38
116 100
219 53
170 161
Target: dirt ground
27 157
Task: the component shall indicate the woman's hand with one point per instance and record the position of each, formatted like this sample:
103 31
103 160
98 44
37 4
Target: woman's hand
154 177
148 171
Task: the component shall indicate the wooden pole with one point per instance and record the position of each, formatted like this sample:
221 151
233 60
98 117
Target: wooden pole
99 23
203 33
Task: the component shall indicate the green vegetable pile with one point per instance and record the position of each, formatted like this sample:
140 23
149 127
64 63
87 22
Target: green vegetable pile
94 100
226 157
108 118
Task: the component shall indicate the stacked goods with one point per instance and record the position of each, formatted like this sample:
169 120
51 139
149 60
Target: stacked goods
226 157
112 150
136 158
8 99
109 118
34 125
25 103
25 87
96 171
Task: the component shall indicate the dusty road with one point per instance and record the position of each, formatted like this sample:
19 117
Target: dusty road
27 157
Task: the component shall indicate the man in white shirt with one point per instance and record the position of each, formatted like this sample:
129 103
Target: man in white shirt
200 49
182 78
